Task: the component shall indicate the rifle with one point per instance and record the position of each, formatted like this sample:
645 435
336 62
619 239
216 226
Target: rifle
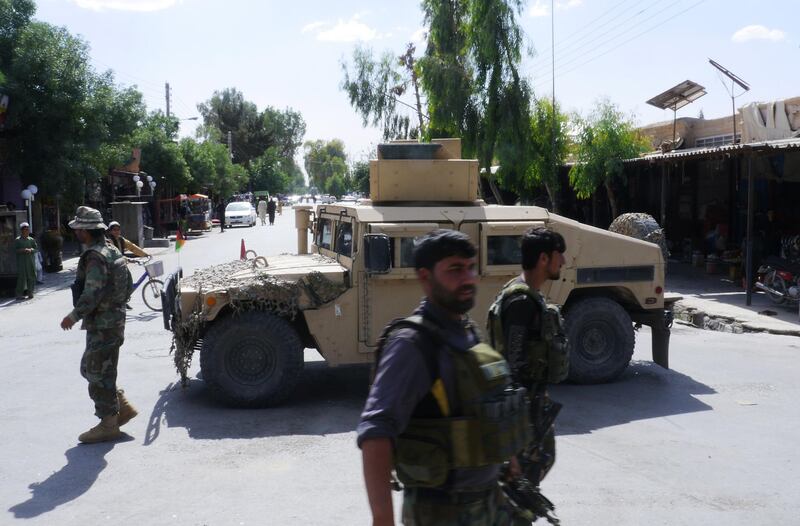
526 500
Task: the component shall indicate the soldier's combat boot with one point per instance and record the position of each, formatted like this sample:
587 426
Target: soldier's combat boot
106 430
126 410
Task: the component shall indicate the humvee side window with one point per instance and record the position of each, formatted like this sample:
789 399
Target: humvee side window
406 252
503 250
344 239
325 233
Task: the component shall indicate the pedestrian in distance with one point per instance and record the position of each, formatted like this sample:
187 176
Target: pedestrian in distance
529 333
25 248
102 287
121 243
442 414
271 210
114 236
221 215
262 211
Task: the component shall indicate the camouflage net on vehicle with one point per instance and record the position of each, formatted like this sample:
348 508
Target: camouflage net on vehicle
641 226
257 291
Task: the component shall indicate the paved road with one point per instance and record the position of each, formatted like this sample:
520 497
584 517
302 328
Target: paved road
713 441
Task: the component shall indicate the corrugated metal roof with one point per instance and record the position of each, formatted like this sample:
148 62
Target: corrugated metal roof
757 147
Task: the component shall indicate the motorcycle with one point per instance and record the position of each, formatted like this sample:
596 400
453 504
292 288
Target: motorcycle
780 279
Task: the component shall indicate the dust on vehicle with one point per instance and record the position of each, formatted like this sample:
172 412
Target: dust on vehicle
251 320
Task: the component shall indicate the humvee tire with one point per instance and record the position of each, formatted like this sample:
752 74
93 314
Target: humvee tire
601 339
252 359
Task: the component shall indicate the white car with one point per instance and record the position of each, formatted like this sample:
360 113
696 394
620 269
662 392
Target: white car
240 213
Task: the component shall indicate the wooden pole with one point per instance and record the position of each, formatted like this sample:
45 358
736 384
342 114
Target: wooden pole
751 204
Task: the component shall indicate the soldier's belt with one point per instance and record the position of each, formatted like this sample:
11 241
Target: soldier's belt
451 497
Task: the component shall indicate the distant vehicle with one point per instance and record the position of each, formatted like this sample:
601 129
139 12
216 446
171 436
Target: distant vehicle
327 199
240 213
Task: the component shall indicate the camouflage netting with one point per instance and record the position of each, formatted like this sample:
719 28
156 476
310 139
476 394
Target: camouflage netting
641 226
258 291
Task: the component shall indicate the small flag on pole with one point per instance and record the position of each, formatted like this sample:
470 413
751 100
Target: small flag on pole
179 241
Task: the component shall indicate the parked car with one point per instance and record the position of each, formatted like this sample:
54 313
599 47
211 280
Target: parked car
240 213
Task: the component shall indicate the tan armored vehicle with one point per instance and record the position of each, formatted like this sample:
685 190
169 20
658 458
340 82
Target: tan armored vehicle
252 319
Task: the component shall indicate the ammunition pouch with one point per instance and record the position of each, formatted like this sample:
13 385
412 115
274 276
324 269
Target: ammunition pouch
77 289
495 427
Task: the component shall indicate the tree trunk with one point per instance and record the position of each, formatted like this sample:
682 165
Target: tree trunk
553 198
415 82
495 191
612 200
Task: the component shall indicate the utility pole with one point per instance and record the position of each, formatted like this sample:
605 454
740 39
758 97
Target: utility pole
166 89
230 145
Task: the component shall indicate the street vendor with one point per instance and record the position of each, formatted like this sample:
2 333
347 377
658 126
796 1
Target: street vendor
114 234
25 247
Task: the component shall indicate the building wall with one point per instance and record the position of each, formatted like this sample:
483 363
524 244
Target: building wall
691 128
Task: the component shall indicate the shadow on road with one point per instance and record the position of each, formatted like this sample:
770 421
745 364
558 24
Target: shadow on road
644 391
326 400
84 464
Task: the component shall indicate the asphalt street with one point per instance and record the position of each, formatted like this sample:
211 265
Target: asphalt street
712 441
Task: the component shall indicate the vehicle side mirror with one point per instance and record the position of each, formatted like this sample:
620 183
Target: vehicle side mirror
377 253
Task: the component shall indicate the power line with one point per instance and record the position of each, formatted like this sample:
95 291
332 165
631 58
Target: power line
620 34
569 41
650 29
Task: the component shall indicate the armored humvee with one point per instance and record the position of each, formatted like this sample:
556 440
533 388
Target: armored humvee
252 319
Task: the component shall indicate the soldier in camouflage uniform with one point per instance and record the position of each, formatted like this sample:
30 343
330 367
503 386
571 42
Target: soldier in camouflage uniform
528 332
102 287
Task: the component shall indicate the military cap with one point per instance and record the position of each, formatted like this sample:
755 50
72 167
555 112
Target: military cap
87 218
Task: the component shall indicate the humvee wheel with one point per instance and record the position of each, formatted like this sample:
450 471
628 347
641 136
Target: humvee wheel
252 359
601 340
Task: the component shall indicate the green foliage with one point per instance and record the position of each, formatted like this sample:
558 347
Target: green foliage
252 132
373 87
337 185
544 158
323 160
359 174
606 138
162 157
211 168
274 173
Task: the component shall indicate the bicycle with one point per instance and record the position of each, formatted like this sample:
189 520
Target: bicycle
151 292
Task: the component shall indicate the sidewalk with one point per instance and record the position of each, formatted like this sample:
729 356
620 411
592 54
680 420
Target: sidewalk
56 281
714 302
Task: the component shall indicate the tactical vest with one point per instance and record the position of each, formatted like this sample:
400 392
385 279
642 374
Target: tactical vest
548 354
492 423
120 282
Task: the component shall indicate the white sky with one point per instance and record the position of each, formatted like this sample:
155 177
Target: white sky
287 54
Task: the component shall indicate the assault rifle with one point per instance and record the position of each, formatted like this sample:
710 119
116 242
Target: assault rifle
526 500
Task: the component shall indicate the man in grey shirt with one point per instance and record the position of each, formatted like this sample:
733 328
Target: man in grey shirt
416 379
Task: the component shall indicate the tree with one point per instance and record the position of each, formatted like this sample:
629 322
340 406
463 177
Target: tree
162 157
273 172
606 138
337 185
375 86
211 168
323 160
252 132
359 173
546 158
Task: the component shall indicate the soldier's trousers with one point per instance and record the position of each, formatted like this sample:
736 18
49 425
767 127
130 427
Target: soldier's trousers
99 367
422 510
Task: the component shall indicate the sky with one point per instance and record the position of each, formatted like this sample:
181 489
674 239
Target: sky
288 54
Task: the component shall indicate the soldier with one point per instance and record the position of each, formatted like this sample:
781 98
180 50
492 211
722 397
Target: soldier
441 411
529 334
102 287
25 247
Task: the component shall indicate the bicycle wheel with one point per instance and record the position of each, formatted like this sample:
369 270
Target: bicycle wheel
151 294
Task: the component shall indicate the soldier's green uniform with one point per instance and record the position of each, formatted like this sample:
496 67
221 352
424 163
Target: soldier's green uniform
26 266
102 287
529 333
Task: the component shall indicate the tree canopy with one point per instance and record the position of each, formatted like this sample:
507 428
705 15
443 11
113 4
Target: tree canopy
549 147
607 137
323 160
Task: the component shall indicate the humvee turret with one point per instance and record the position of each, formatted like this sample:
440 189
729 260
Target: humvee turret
252 320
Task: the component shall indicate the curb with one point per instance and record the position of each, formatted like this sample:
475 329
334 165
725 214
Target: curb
703 320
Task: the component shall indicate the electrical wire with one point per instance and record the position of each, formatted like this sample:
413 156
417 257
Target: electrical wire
545 80
632 27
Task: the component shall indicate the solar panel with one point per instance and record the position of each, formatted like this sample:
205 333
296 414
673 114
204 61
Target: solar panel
678 96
